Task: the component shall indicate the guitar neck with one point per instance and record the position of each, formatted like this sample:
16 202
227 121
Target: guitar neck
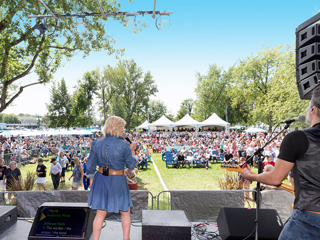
237 168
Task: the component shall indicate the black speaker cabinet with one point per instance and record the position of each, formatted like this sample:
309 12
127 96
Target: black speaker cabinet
238 223
63 221
8 217
164 225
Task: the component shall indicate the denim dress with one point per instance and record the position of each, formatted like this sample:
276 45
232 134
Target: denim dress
110 193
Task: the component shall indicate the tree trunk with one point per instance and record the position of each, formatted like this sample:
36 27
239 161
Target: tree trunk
128 126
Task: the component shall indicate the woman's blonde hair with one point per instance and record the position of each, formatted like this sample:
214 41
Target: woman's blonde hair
76 162
114 126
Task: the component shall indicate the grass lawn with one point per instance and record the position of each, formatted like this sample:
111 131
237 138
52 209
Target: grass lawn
188 178
192 179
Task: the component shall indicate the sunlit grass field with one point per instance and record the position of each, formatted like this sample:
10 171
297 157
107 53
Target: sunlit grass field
175 179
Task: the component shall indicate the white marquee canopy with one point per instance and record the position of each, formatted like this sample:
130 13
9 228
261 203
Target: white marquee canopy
163 122
143 125
214 121
187 121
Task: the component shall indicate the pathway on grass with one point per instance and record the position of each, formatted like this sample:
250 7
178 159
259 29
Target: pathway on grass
163 184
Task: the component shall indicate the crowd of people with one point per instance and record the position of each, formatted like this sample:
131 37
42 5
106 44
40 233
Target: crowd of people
189 146
70 153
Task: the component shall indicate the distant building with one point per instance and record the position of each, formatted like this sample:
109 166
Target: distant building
28 120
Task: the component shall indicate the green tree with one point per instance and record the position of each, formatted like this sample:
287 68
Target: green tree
266 84
59 108
10 118
106 89
185 108
170 116
22 52
156 109
211 91
82 98
134 89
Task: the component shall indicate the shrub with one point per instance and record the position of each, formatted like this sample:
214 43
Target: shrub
228 181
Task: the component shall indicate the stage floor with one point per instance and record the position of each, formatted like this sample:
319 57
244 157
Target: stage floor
112 230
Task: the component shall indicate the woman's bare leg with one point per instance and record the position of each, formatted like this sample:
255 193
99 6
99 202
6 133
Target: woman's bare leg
97 223
126 224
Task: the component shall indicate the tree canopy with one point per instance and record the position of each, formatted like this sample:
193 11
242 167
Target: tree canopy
22 52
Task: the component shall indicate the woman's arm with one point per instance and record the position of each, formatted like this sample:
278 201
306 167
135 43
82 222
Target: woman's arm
129 159
92 162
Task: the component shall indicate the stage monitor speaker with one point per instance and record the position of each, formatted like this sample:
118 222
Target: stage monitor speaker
239 223
8 217
63 221
164 225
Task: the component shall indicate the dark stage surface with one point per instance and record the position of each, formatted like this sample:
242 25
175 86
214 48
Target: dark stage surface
112 230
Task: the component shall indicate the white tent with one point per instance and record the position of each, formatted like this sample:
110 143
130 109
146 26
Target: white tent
143 125
254 130
214 121
187 121
163 122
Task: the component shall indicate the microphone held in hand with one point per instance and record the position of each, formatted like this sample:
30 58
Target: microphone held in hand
299 119
125 136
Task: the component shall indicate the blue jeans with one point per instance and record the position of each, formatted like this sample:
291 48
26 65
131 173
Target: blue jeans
86 182
301 225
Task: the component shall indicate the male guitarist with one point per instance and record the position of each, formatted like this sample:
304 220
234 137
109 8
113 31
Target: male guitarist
300 151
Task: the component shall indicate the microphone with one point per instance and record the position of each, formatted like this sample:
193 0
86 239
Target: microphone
125 136
299 119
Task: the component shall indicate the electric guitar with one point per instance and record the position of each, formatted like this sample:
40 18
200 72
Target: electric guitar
237 168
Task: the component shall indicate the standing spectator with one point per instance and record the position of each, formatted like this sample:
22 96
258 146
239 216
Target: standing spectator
41 172
69 161
7 154
55 173
11 174
77 174
86 180
62 159
3 168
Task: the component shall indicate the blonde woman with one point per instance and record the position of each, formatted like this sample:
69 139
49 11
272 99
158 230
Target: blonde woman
77 174
109 189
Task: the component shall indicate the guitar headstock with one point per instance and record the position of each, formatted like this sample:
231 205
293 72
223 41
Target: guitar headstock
232 167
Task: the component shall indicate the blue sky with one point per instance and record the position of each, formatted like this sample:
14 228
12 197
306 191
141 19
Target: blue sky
201 33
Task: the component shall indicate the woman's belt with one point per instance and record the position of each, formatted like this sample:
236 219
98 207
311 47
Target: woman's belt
112 171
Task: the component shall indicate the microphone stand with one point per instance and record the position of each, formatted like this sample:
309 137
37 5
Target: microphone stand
260 170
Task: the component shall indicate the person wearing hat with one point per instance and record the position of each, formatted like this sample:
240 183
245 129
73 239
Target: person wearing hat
55 173
41 172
